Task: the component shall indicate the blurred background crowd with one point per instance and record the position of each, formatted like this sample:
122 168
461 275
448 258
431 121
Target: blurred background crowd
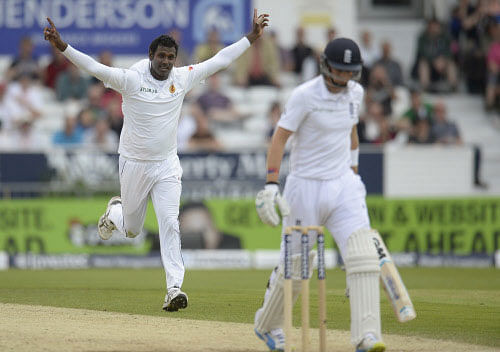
47 102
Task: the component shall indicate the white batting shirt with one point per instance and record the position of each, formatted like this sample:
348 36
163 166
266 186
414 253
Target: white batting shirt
151 108
322 123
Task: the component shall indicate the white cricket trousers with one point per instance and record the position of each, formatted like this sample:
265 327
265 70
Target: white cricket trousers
161 180
337 204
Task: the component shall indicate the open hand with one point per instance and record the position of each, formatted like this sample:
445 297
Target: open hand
259 22
51 34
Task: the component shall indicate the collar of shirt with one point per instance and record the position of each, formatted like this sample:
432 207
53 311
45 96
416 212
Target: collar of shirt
337 97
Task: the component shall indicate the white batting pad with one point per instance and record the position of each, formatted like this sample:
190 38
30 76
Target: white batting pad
270 315
363 272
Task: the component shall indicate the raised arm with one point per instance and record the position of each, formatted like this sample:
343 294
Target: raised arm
118 79
275 154
230 53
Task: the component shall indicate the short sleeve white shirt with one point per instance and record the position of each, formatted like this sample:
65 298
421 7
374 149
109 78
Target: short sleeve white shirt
322 123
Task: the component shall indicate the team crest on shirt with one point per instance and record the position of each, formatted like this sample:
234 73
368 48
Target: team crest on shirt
172 89
190 68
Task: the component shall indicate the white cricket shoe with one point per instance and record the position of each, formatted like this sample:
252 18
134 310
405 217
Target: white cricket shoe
105 226
175 299
370 344
274 339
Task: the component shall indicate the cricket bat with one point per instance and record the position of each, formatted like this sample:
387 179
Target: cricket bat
392 283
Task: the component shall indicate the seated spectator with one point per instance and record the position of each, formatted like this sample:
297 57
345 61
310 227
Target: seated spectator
57 65
436 68
418 111
24 138
380 89
216 105
370 53
101 137
421 133
493 64
374 126
86 120
392 67
203 140
208 49
95 101
300 51
70 135
71 84
25 63
23 101
259 65
446 132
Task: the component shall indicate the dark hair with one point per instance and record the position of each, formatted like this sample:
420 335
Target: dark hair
163 40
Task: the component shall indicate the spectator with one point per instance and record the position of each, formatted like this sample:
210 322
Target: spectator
215 105
71 84
203 139
23 101
380 89
24 138
392 67
95 102
421 133
418 109
25 63
86 120
493 64
182 56
70 135
101 137
57 65
259 65
376 127
208 49
300 52
370 53
436 69
446 132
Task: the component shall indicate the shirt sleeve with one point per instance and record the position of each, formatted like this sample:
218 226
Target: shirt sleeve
197 73
294 113
122 80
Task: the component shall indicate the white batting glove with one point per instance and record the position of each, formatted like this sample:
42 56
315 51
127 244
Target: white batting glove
266 203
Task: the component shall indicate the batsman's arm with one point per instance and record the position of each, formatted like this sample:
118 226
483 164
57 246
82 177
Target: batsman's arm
275 153
354 148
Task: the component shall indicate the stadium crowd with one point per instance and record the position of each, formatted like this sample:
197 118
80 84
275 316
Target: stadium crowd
463 54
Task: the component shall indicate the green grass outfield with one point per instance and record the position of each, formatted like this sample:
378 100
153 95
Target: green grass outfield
454 304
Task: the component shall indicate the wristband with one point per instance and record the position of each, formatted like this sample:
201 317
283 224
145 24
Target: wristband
354 157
